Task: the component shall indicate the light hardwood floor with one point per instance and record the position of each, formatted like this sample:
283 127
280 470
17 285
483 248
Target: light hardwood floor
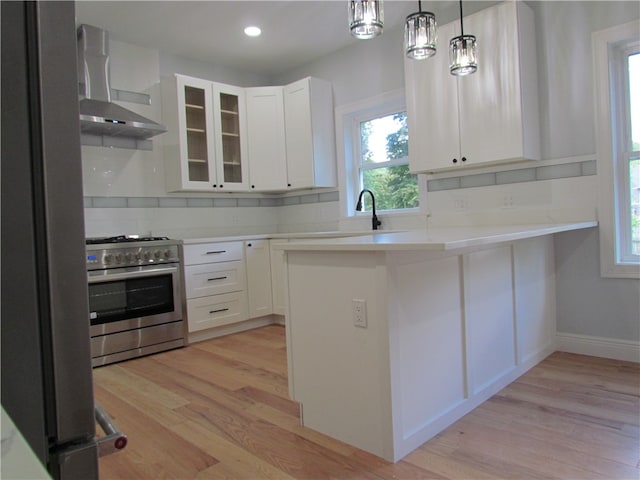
219 409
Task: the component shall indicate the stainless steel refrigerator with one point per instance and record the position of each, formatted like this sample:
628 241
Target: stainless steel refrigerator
46 366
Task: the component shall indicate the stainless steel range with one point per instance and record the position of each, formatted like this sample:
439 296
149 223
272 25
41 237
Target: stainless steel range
135 297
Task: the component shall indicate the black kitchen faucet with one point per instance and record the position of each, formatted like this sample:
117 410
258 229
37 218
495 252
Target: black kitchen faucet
375 223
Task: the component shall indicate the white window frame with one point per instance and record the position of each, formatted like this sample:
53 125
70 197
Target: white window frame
348 118
608 47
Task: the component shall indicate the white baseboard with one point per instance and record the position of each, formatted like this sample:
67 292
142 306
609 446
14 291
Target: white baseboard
216 332
598 346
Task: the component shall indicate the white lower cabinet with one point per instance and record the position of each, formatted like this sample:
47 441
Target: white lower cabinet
214 278
231 282
216 310
278 288
215 284
259 278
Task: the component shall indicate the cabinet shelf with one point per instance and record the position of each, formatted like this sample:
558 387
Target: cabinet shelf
229 112
195 107
228 134
197 160
195 130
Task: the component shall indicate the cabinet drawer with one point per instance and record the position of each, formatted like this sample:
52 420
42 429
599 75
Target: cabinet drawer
212 253
208 312
214 278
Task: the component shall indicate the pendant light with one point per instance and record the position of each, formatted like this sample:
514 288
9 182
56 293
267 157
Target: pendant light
463 52
366 18
420 34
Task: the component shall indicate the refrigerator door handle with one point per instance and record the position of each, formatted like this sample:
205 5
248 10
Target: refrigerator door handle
114 440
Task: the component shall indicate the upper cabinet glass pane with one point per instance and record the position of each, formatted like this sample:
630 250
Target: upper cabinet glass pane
197 148
231 151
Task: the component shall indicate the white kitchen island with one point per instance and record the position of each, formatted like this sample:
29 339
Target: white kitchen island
452 316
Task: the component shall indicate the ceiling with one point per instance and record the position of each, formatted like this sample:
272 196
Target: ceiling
293 32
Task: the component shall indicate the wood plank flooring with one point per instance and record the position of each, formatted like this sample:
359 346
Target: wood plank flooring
219 410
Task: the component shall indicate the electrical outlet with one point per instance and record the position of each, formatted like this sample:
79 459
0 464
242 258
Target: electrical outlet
359 313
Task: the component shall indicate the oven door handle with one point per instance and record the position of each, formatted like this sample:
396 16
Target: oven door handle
151 272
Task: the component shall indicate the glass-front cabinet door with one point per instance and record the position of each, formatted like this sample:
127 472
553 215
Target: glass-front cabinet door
197 150
231 137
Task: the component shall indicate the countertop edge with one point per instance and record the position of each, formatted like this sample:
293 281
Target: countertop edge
419 239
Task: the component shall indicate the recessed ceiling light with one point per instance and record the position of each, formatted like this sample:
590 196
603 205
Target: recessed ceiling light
252 31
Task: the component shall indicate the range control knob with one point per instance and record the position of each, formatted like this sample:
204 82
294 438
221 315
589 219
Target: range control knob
157 254
167 254
147 255
119 258
108 258
130 257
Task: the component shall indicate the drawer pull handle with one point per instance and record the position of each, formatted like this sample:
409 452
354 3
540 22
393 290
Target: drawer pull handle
216 251
218 311
215 278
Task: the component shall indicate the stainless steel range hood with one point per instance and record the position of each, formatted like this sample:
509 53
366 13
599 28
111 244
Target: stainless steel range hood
98 115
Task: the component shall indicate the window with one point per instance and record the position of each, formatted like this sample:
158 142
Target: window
383 163
375 136
627 64
617 62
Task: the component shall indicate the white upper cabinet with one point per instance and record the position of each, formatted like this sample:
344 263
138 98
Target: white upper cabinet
224 138
190 159
488 117
267 149
309 132
230 130
205 146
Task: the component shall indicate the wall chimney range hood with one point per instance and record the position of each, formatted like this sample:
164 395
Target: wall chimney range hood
98 115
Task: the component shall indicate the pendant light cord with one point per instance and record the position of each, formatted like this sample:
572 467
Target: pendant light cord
419 5
461 27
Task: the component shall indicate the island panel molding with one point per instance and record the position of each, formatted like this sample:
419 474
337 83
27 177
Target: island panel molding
448 325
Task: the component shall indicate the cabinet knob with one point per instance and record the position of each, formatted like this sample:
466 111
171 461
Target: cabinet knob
248 244
221 185
253 186
288 184
214 185
464 159
455 160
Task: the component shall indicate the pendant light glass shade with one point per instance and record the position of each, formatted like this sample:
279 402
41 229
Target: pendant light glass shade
420 35
366 18
463 52
463 55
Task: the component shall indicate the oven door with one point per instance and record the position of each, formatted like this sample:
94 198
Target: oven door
135 311
133 297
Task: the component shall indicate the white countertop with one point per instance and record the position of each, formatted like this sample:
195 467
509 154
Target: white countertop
438 239
18 460
294 235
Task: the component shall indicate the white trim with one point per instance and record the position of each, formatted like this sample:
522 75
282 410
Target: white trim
521 165
223 330
602 42
598 346
345 119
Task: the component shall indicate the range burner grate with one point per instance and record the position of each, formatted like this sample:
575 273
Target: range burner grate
122 239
